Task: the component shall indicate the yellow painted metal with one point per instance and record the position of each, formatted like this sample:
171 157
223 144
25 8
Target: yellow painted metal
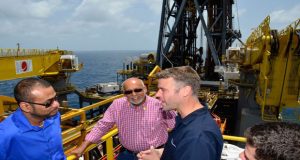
71 157
110 134
95 105
109 143
234 138
290 91
3 101
1 107
39 63
273 57
108 138
110 149
255 44
47 63
154 71
151 76
74 132
73 113
85 127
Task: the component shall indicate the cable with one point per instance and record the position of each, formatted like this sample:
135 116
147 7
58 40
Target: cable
237 15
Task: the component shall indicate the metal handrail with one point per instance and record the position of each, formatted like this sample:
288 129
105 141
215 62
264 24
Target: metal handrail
234 138
108 138
110 150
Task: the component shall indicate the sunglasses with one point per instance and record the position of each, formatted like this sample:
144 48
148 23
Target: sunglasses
47 104
135 90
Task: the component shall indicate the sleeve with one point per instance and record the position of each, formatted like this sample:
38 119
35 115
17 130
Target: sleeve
203 147
103 125
169 118
3 143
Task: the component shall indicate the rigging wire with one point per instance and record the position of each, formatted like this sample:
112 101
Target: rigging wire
237 14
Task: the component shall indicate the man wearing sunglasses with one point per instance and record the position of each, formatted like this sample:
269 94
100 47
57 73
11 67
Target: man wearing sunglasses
33 131
139 118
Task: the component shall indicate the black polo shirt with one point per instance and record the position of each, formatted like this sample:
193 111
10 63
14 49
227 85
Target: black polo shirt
195 137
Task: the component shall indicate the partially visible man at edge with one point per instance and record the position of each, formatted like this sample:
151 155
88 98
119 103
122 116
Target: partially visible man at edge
196 135
33 131
139 118
272 141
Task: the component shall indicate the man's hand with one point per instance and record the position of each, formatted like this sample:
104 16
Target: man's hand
80 150
77 152
151 154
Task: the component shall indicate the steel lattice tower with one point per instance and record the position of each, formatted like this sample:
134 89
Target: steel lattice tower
181 20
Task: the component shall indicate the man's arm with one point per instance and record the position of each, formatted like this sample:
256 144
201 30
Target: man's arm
99 130
94 136
80 150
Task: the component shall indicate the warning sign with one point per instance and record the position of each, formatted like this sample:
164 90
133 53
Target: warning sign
23 66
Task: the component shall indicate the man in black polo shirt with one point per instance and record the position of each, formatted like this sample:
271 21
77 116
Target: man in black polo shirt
196 135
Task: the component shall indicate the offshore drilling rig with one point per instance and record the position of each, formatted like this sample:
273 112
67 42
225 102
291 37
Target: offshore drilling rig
256 82
179 44
259 81
198 33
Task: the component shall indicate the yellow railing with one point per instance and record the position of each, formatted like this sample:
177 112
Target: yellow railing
109 143
4 52
110 150
108 138
234 138
81 130
86 127
95 105
72 135
5 99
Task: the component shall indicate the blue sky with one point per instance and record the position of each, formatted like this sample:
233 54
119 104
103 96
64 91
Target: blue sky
113 24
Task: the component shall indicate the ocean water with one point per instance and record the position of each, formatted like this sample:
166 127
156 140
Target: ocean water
98 66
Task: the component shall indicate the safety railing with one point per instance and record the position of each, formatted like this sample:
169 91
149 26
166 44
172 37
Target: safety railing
77 133
234 138
72 134
110 149
3 100
88 125
8 52
108 138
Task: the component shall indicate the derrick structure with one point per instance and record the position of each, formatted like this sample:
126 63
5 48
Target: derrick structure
181 20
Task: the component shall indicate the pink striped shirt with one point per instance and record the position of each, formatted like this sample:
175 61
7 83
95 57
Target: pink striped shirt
139 127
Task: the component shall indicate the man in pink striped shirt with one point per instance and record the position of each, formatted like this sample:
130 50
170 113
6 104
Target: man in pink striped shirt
139 118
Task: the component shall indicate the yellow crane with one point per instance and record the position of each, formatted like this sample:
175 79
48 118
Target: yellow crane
52 65
274 58
21 63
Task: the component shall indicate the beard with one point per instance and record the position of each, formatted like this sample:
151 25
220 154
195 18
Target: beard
137 103
42 116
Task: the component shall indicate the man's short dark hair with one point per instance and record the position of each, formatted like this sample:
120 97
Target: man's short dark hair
184 74
22 90
275 140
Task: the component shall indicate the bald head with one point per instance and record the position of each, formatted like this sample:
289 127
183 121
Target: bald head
132 82
135 91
